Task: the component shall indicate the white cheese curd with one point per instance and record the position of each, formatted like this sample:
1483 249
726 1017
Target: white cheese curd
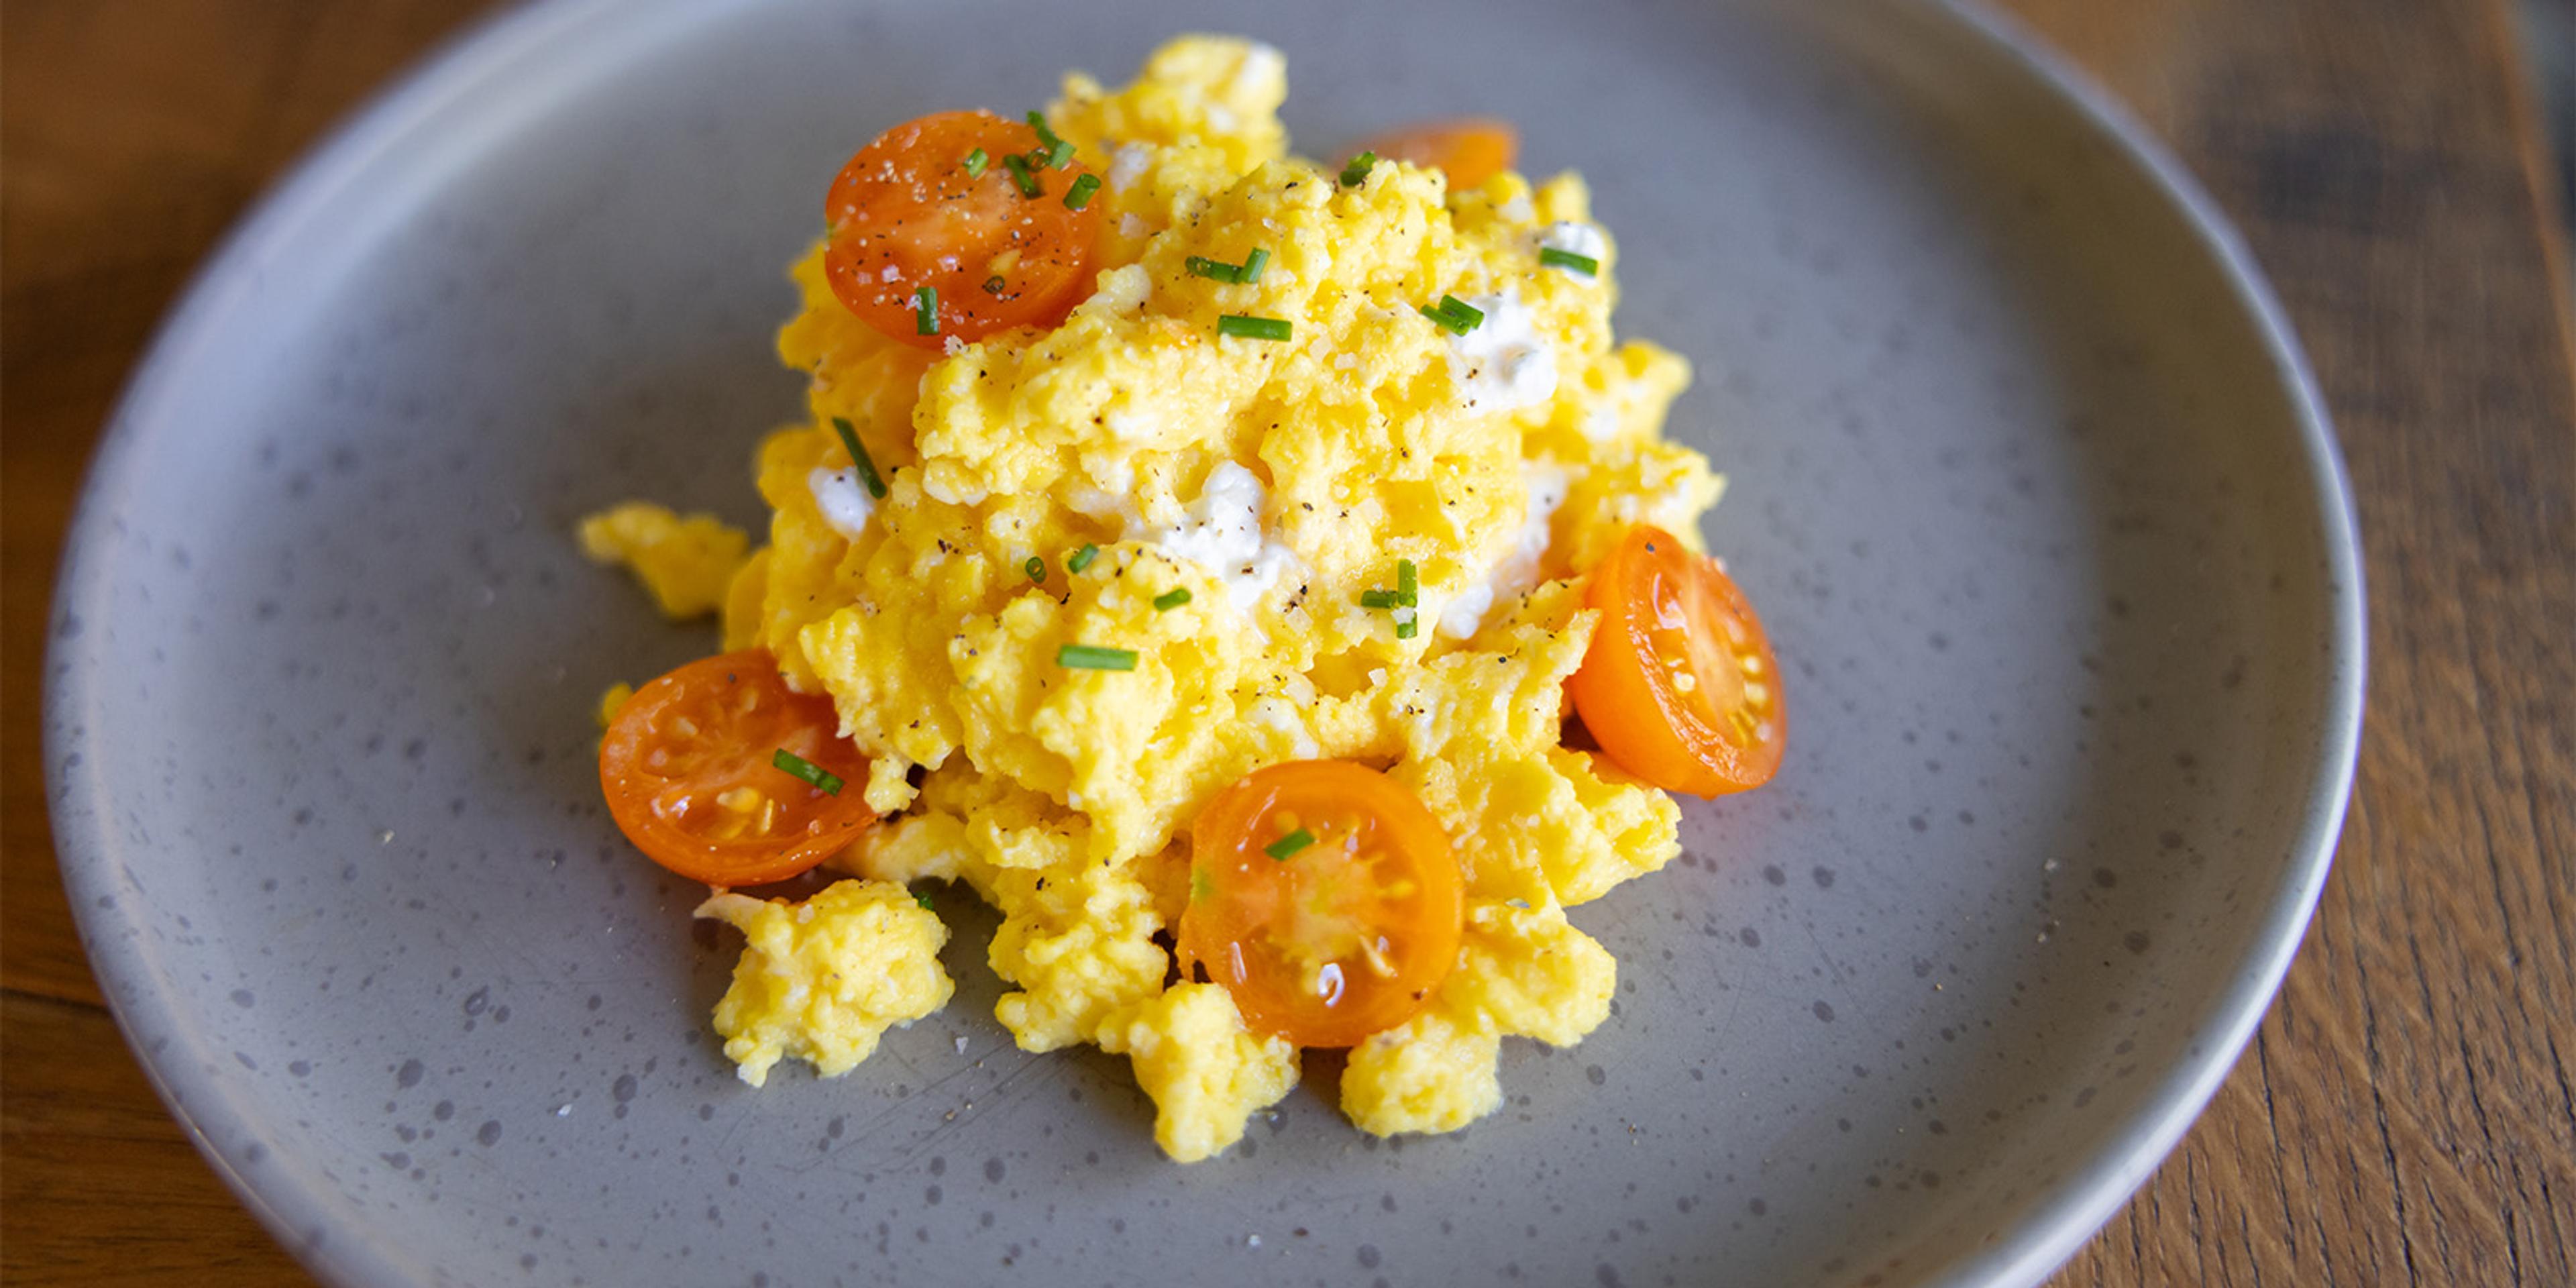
842 498
1574 239
1517 570
1128 165
1223 534
1504 364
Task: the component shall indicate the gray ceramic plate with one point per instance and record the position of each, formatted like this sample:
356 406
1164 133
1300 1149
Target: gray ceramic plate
2027 482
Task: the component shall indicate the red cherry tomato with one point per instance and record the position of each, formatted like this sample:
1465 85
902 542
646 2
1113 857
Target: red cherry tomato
1680 686
1324 898
1469 150
689 770
905 216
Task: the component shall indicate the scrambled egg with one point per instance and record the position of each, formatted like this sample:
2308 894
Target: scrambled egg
1275 481
822 980
686 564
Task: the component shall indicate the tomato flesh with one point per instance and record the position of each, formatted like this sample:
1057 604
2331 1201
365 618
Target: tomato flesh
1469 150
906 215
1680 686
1343 937
687 767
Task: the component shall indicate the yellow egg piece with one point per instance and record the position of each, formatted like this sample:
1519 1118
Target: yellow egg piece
822 980
685 562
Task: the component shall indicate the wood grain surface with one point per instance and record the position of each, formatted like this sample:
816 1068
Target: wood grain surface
2405 1114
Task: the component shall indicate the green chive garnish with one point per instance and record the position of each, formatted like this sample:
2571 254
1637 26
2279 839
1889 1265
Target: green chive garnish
1079 195
1171 599
1454 315
921 897
1218 269
1019 167
1035 568
925 303
1089 657
1061 154
1289 844
1553 258
823 779
1358 169
1252 328
1253 263
1406 629
859 458
1082 558
1377 599
1047 138
1408 584
975 163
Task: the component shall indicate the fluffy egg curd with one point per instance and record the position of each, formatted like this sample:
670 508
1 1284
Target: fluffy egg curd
1202 554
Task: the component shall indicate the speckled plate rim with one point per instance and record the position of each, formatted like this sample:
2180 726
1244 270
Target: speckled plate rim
2044 1234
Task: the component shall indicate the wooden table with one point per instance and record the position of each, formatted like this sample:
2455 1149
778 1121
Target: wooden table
2407 1112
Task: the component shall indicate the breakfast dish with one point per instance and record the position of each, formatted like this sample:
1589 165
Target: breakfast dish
1265 582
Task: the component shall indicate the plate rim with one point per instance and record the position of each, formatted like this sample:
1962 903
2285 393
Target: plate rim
2050 1230
2038 1237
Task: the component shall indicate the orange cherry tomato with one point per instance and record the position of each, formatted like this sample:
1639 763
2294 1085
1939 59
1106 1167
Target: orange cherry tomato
1680 686
905 215
688 769
1470 150
1327 941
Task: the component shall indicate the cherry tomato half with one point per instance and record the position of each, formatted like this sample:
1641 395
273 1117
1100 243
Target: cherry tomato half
688 769
906 215
1470 150
1323 896
1680 686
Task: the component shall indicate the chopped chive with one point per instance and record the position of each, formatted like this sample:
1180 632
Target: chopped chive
1019 167
926 310
1551 257
1358 169
1377 599
1035 568
921 897
1060 153
1082 558
975 163
823 779
1090 657
1079 195
1218 269
1253 263
1408 584
1252 328
1047 138
859 458
1287 845
1454 315
1171 599
1405 630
